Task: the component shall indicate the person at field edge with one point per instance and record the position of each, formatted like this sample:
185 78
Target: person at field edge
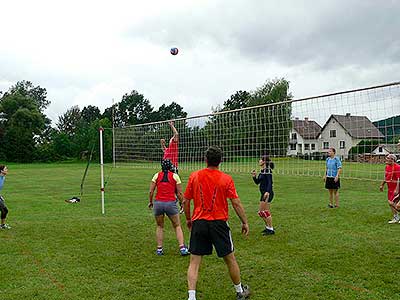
264 179
171 152
169 186
209 189
331 177
392 180
3 207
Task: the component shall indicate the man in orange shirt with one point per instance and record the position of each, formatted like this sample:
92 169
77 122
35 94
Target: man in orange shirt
209 189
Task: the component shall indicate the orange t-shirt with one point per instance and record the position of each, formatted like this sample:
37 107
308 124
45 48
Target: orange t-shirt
209 190
171 152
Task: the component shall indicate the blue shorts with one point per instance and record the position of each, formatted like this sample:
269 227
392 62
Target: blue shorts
168 208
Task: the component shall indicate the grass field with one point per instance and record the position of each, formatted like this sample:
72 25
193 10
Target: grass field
70 251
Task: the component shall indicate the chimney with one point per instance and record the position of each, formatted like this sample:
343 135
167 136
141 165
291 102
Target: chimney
306 119
296 118
347 114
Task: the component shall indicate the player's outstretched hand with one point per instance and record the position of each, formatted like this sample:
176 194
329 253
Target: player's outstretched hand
253 173
150 205
245 229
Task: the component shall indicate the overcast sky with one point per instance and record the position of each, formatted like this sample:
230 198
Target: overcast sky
89 52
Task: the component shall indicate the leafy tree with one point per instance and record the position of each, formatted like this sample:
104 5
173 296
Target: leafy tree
133 109
21 125
169 112
240 99
90 113
70 120
35 93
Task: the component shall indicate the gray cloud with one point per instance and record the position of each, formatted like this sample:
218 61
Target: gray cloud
327 34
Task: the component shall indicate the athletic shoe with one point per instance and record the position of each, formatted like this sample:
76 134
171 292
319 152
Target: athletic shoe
160 251
268 231
330 205
184 251
245 294
5 226
392 221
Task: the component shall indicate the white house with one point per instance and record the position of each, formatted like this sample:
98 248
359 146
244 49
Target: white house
303 137
385 149
344 132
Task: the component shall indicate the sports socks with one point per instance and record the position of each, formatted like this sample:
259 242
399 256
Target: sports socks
192 295
238 287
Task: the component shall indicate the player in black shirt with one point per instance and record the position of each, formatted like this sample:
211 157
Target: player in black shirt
264 179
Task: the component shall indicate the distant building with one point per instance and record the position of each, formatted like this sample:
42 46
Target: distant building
385 149
303 137
343 132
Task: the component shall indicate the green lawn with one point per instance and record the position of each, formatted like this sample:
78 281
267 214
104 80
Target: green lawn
70 251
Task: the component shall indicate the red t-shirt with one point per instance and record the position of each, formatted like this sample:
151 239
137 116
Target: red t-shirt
166 190
171 152
209 190
392 175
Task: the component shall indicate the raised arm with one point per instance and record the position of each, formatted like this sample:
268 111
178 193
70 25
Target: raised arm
176 135
254 176
163 147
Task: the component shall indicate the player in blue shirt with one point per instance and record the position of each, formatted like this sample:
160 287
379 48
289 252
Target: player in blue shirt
331 177
264 179
3 207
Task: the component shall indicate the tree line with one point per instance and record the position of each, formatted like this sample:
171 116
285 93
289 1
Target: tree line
28 135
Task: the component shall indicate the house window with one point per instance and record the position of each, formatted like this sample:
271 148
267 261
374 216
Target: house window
332 133
312 146
292 146
294 136
306 146
342 145
380 150
299 147
326 145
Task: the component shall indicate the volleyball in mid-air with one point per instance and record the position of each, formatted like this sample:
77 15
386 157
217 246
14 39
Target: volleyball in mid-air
174 51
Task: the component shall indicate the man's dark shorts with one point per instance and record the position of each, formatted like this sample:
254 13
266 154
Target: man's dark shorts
205 234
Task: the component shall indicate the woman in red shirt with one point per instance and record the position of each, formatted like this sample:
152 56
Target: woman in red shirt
168 186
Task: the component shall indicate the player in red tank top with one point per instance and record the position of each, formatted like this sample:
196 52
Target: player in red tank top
171 152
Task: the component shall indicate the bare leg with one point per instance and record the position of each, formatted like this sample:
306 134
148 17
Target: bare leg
264 205
176 224
160 230
331 196
233 268
336 193
193 271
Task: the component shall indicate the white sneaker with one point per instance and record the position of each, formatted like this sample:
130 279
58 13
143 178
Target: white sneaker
393 221
5 226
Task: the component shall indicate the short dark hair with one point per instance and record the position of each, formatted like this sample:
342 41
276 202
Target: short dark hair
2 167
333 149
213 156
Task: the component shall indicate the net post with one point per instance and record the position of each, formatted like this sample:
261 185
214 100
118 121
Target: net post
101 130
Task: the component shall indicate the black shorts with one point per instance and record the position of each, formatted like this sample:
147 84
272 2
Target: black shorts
330 183
205 234
271 196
